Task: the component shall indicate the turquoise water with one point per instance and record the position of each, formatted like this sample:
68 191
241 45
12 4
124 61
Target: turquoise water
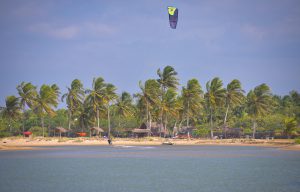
143 169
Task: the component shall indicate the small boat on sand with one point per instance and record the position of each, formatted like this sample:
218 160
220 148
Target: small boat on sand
167 143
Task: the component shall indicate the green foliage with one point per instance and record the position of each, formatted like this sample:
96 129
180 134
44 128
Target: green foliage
297 140
4 132
201 132
158 101
290 126
36 131
247 131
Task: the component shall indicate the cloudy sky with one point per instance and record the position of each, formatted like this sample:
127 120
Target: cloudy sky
46 42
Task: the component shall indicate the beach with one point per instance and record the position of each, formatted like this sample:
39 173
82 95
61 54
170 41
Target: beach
19 143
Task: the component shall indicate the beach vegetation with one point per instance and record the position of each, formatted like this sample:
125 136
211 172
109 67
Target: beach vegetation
159 102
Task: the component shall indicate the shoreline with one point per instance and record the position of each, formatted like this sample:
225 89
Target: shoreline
8 144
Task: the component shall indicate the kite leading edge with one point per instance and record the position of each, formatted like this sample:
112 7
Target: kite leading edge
173 16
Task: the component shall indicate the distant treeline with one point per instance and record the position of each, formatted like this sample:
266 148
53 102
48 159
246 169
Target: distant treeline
213 107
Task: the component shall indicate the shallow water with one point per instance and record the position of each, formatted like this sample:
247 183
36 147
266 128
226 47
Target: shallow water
150 168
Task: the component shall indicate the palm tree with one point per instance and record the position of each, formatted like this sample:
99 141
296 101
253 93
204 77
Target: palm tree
149 97
214 98
124 107
95 96
108 97
45 101
192 98
27 93
169 106
74 98
290 126
234 96
259 103
85 115
11 110
167 79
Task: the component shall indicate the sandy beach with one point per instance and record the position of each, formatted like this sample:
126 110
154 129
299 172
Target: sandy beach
18 143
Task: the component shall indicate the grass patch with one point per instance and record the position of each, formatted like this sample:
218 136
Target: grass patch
297 140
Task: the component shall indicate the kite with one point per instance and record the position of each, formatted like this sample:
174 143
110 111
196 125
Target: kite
173 16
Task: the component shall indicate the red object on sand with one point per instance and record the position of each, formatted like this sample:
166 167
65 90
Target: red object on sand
81 134
27 133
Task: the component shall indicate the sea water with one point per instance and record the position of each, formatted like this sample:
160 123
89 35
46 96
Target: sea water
150 168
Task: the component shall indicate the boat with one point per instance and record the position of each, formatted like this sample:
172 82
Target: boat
167 143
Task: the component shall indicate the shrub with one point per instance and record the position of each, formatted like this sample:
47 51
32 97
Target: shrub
36 131
297 140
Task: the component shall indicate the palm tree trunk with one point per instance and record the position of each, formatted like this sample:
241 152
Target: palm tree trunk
174 129
9 124
147 114
108 119
187 120
98 117
165 127
211 125
225 119
43 127
69 120
254 129
150 123
161 110
23 126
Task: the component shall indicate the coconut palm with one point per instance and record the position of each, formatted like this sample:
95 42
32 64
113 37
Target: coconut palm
234 97
74 99
214 98
169 106
290 126
124 107
149 97
108 97
259 103
11 110
192 98
46 100
27 93
95 97
167 79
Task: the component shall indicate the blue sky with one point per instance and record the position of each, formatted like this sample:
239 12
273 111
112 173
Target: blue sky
46 42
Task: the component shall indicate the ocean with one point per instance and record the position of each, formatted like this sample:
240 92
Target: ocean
150 168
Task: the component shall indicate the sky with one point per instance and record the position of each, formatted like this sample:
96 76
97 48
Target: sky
124 42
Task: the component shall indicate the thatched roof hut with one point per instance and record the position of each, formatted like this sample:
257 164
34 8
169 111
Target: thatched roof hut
141 130
96 131
60 130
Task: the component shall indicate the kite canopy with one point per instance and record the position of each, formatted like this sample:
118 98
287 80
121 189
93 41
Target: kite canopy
173 16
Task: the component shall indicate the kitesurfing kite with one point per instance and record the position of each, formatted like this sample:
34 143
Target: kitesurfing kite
173 16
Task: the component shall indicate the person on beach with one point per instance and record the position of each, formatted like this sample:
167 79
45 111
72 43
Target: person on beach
109 141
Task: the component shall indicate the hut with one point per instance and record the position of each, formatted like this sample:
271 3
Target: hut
156 129
60 130
94 131
142 131
185 132
230 132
